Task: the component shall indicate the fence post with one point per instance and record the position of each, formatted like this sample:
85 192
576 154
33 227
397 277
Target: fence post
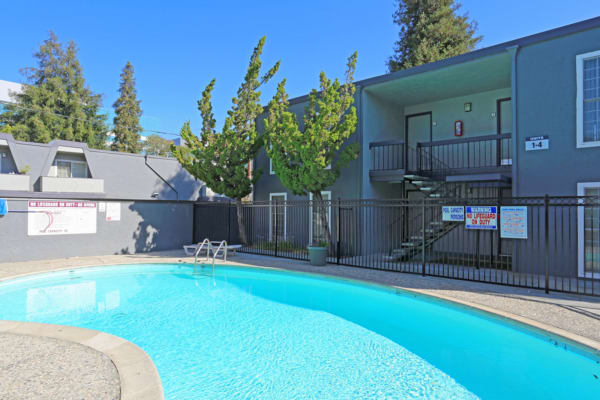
339 229
423 239
276 217
546 243
229 222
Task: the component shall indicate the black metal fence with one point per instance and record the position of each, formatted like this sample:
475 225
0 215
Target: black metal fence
549 243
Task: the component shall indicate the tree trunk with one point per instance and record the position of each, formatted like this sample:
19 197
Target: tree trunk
240 220
322 209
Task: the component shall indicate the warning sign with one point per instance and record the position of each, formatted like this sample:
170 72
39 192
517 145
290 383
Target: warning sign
47 217
482 217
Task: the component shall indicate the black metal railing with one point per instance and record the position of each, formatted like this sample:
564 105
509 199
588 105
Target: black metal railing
480 153
549 243
488 153
387 155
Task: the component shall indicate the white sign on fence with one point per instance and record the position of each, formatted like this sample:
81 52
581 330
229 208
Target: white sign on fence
52 217
482 217
513 222
113 211
453 213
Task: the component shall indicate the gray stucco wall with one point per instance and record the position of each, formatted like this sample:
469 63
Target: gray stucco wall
381 120
546 101
7 164
478 122
144 226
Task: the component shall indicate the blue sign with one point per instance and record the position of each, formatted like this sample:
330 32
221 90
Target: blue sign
482 217
3 207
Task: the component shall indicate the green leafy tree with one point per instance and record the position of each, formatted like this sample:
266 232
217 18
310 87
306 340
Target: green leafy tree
309 160
430 30
221 159
127 115
56 103
156 145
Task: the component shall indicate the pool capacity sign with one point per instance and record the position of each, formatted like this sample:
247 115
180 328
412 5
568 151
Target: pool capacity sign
482 217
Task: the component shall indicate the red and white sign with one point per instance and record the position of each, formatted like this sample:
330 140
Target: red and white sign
481 217
58 217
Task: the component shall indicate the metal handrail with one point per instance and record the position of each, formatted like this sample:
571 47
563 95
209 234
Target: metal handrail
200 247
222 245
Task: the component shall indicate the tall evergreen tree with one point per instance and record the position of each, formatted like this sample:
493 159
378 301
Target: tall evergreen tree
56 103
127 115
221 159
430 30
309 158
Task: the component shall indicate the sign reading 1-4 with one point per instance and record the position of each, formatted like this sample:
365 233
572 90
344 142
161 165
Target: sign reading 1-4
479 217
537 143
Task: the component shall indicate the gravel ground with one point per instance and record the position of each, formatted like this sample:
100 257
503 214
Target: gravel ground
33 367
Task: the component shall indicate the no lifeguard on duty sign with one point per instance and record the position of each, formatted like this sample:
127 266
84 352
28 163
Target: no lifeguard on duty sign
482 217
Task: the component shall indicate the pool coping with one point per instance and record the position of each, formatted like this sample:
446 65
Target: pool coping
138 376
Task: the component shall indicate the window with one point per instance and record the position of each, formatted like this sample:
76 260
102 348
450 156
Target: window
318 231
277 216
588 99
69 169
589 231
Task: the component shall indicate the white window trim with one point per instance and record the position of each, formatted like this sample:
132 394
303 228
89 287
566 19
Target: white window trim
310 215
579 101
271 195
581 233
55 169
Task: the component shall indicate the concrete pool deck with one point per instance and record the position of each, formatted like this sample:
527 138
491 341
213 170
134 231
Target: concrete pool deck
573 317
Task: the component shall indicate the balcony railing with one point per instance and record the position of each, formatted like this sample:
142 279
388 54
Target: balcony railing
445 157
388 155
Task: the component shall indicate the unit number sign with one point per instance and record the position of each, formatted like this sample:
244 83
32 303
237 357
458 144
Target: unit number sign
537 143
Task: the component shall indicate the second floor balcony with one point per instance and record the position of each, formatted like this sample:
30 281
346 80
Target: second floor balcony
391 160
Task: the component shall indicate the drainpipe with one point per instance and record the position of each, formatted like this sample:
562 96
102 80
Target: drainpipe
514 50
161 178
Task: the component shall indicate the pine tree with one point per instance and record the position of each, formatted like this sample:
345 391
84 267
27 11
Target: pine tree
56 103
430 30
221 159
127 115
310 160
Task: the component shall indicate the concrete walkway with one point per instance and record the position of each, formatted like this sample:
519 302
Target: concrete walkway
574 317
33 367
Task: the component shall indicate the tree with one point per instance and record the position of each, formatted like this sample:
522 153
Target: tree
127 115
430 30
309 160
221 159
156 145
56 103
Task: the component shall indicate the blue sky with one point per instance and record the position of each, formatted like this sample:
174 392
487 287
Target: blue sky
178 47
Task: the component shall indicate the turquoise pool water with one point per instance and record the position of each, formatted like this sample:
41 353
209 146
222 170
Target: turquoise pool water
263 334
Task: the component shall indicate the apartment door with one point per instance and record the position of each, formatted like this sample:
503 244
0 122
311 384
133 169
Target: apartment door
504 122
417 129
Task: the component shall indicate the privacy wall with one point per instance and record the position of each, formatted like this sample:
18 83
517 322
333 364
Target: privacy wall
37 229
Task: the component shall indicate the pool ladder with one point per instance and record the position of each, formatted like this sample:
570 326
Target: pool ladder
210 248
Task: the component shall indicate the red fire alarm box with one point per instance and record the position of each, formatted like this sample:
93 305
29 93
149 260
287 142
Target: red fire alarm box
458 128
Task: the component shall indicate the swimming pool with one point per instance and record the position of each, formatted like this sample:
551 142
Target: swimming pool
267 334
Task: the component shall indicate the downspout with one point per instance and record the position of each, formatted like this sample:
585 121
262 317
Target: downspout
161 178
360 164
514 50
